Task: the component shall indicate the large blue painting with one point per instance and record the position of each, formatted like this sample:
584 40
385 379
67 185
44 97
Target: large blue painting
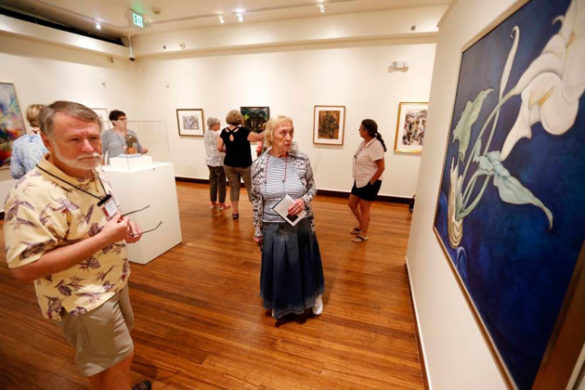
511 206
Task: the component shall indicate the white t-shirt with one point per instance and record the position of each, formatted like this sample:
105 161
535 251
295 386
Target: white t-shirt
364 161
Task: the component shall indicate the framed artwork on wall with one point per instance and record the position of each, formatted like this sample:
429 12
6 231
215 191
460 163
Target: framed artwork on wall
510 213
410 127
328 125
11 122
102 113
190 122
255 117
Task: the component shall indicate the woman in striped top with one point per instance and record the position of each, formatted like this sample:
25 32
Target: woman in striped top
291 278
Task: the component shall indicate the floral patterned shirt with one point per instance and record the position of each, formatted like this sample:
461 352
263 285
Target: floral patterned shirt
214 158
44 213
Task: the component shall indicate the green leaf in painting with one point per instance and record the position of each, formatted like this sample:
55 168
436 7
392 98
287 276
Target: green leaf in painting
462 131
511 190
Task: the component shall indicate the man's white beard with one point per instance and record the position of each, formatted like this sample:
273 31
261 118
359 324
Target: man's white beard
85 161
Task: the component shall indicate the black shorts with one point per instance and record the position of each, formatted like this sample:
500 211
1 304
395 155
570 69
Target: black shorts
368 192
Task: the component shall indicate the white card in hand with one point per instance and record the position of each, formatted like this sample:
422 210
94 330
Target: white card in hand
282 209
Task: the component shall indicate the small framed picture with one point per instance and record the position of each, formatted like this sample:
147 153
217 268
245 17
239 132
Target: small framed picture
329 125
190 122
410 127
102 113
255 117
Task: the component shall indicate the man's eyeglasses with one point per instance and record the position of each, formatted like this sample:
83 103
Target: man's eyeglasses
144 231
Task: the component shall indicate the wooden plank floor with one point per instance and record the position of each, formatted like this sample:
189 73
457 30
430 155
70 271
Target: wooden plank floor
200 323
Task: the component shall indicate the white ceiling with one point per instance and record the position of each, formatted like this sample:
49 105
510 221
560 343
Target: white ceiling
175 15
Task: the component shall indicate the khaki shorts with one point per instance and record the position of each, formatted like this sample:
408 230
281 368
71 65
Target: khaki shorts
101 337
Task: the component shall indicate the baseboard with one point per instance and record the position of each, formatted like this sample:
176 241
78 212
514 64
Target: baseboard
338 194
417 333
191 180
383 198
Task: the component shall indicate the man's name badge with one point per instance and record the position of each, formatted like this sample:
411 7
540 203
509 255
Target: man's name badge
109 206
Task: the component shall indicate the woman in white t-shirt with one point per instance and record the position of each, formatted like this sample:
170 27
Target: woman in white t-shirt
368 165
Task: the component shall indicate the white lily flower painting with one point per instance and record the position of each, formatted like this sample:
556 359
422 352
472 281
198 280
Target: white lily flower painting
511 207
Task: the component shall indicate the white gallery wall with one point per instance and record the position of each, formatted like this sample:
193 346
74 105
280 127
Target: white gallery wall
456 354
291 82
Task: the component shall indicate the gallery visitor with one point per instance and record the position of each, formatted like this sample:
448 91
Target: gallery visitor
235 141
64 232
214 161
368 165
291 277
28 149
119 139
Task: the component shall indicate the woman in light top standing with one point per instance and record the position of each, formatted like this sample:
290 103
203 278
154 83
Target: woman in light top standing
368 165
214 161
28 149
235 140
291 278
115 141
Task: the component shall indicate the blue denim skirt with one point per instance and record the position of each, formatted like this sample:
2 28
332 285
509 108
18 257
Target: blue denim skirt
291 277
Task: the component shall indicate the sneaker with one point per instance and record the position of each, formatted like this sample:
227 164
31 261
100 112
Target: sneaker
223 206
359 239
144 385
212 205
356 230
318 306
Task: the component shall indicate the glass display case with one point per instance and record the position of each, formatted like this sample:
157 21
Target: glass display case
128 151
144 187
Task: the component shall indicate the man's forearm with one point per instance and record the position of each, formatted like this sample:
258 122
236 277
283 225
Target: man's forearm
60 259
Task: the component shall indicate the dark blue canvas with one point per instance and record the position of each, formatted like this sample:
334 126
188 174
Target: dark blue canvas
514 259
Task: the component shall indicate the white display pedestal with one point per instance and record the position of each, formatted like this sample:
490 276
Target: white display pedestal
155 186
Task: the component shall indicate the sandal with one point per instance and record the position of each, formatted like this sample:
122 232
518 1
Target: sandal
359 238
356 230
235 216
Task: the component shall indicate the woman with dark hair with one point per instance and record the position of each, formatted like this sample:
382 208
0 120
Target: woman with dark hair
368 165
120 139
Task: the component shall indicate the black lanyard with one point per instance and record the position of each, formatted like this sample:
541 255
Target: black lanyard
101 200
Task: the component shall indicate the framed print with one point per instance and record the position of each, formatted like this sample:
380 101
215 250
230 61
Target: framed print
11 122
410 127
255 117
510 213
102 113
190 121
328 125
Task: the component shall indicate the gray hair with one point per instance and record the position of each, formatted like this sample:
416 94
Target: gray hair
271 125
212 121
76 110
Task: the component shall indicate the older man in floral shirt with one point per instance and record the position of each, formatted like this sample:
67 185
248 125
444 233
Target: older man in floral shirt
63 231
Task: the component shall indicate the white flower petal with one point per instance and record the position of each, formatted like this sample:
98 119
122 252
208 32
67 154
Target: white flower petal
574 75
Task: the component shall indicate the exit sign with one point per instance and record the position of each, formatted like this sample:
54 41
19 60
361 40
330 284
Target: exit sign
138 20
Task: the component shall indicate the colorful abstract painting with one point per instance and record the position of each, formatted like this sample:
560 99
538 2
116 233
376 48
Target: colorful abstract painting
11 122
511 206
255 117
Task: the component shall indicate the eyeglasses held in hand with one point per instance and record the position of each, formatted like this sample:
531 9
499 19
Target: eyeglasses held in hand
146 231
135 211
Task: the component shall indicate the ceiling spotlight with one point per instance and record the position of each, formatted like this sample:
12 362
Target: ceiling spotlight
98 26
322 8
240 17
221 19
